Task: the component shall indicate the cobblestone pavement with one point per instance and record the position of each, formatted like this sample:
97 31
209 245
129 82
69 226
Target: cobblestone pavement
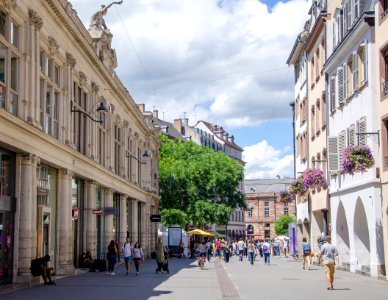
283 279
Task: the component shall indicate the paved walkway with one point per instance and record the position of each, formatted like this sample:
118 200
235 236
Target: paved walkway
283 279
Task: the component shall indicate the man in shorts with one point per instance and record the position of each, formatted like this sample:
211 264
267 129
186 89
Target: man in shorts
328 254
127 254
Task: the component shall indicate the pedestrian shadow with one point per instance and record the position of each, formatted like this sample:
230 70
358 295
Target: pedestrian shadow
99 285
341 289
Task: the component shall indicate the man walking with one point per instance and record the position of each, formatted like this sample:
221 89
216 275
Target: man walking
267 252
328 253
127 254
240 246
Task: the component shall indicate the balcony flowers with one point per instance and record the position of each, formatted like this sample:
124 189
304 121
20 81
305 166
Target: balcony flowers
356 159
313 179
286 197
298 187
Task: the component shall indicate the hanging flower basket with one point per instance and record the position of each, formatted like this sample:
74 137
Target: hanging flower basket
356 159
298 187
286 197
314 179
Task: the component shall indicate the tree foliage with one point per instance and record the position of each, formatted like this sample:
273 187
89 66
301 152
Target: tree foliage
198 181
281 225
174 217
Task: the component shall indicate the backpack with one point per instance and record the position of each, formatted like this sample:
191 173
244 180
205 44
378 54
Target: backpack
306 250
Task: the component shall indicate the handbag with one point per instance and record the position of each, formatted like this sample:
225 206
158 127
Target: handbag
312 254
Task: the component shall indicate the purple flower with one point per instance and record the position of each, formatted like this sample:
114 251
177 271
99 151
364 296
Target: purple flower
356 159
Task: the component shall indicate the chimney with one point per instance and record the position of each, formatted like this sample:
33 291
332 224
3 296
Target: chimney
231 139
186 121
225 136
141 107
178 125
155 113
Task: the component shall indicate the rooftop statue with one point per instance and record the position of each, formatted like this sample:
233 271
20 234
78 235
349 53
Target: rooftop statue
97 20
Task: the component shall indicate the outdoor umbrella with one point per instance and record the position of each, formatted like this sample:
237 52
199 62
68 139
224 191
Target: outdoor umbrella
199 232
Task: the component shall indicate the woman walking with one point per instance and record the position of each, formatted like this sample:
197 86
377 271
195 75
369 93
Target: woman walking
160 258
137 255
112 257
306 253
251 252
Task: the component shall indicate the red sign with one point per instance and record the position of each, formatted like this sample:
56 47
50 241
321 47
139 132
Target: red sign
97 211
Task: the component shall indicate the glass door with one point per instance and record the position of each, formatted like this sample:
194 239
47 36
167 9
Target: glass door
6 246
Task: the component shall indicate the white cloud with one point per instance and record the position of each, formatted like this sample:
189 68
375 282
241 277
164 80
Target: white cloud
263 162
223 61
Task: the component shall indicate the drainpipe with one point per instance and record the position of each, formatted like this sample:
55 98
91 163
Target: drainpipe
292 104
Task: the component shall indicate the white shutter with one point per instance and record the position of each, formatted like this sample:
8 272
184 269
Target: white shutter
345 67
355 71
362 129
332 93
351 134
341 146
364 58
333 153
356 9
341 95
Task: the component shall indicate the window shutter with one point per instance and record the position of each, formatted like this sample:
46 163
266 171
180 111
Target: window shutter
364 58
341 146
333 153
355 71
356 9
341 85
346 83
362 129
332 94
351 133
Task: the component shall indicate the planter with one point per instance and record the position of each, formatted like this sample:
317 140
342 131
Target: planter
286 197
357 159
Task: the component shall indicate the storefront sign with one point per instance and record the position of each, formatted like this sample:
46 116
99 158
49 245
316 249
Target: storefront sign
155 218
111 211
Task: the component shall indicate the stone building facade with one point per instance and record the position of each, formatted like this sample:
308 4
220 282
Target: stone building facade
72 178
263 207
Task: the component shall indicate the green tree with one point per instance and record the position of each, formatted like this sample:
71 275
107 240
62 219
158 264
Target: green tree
174 217
198 181
281 225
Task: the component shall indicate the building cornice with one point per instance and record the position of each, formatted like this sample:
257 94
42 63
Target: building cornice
316 31
67 17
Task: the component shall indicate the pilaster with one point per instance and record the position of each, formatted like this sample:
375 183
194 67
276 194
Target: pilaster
109 235
90 219
123 217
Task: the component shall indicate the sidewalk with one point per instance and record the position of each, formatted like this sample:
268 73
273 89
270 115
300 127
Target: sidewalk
285 279
185 281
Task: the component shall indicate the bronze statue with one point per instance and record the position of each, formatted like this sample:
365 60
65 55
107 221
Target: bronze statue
97 20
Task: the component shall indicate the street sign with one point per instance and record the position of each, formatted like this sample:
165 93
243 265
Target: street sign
97 211
155 218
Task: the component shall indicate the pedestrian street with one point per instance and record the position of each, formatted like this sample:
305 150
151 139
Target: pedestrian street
283 279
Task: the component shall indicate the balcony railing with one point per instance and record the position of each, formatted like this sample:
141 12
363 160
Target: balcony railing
385 88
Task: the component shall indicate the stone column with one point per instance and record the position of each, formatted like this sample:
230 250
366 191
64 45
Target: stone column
108 218
26 217
134 230
90 219
146 226
123 218
65 254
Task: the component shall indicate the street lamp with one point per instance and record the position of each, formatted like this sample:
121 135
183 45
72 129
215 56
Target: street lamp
145 155
100 109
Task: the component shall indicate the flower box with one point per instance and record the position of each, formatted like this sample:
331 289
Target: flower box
357 159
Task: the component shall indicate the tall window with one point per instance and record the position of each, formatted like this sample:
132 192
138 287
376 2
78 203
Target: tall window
129 160
9 64
49 96
332 94
80 120
117 146
101 143
285 209
385 83
266 209
349 77
250 211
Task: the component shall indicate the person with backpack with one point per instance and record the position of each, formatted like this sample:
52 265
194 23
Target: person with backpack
127 254
240 246
306 250
267 252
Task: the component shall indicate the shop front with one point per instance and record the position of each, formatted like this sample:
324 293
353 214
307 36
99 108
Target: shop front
7 213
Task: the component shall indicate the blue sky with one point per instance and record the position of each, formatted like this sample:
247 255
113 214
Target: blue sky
225 64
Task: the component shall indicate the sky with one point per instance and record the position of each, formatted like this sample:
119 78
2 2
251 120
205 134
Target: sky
221 61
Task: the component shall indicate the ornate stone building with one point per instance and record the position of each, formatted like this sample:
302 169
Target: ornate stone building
72 171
